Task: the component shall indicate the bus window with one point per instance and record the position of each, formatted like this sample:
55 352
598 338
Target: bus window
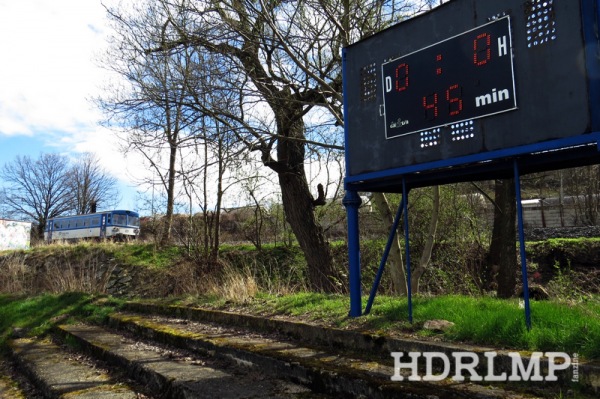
134 221
120 220
95 221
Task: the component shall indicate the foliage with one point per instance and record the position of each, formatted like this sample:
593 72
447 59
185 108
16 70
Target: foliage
568 267
460 240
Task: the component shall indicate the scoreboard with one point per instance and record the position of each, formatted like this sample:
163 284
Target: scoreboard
454 81
471 77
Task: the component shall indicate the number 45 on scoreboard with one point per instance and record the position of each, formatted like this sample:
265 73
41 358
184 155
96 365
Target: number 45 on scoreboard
465 77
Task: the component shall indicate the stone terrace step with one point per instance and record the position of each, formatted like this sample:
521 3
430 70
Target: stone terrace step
8 389
56 375
355 341
173 375
322 369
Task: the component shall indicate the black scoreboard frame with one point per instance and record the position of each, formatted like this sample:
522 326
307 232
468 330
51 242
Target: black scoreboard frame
555 104
472 90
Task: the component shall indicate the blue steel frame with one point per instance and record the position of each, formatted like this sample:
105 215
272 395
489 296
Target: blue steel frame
501 163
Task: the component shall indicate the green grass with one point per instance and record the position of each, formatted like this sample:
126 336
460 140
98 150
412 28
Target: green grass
148 255
38 314
556 326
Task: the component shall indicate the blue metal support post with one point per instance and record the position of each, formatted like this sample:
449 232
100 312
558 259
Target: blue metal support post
407 246
386 252
522 244
352 202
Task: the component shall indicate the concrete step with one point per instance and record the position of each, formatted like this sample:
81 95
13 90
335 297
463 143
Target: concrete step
330 370
209 354
376 345
9 388
58 375
172 373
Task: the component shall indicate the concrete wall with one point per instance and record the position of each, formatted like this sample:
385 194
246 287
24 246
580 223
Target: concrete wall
14 234
550 212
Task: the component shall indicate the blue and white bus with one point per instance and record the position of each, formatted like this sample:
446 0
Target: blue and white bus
118 224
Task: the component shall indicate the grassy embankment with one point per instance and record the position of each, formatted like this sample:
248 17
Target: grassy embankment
570 324
573 328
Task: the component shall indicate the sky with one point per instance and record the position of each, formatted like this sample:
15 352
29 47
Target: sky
48 74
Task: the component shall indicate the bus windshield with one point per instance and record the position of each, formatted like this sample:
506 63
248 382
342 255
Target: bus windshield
129 219
133 221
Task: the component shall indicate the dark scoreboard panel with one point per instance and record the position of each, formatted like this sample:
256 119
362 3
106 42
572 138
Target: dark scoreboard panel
469 77
462 78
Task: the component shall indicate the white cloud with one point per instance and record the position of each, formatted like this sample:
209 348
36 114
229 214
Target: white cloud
47 72
48 75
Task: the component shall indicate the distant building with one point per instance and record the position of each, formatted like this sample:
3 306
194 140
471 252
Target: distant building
14 234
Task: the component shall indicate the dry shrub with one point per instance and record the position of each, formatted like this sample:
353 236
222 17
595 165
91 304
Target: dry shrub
87 276
232 284
13 273
221 280
181 279
57 271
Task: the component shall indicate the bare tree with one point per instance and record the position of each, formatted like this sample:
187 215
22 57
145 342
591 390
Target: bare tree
205 180
263 75
584 183
91 185
282 60
151 110
38 189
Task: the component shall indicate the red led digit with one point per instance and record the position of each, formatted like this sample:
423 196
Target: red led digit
430 103
454 98
482 49
402 77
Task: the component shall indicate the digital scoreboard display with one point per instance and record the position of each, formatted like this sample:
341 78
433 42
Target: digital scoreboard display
456 80
471 79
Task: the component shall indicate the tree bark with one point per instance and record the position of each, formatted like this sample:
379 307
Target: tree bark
168 223
298 202
297 205
395 257
502 258
428 249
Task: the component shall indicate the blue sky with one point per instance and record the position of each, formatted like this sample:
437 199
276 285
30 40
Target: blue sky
48 73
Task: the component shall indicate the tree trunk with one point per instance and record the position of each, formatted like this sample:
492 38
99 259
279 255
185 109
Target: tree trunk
297 205
502 257
166 237
298 202
395 257
214 255
428 249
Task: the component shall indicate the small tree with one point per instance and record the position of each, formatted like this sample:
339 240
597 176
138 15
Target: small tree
90 183
38 190
584 183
